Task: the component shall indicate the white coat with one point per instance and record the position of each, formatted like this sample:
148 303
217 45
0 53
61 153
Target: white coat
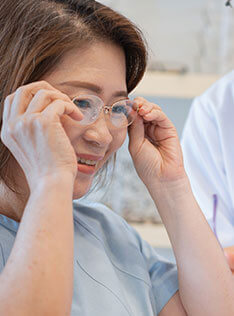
208 148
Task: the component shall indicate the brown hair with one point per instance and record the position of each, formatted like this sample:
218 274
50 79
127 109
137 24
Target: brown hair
35 34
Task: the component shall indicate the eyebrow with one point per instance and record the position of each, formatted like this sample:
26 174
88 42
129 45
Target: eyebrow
92 87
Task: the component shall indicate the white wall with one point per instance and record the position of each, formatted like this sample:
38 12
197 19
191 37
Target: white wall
194 33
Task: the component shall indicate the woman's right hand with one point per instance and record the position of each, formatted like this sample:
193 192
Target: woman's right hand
33 133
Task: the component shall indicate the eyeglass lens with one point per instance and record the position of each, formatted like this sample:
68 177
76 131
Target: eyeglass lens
121 113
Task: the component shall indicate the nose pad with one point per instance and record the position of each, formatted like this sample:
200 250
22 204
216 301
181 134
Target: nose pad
99 132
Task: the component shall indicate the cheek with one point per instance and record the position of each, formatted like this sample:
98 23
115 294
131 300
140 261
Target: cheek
118 139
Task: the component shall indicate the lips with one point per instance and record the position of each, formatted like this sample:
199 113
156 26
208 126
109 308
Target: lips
88 163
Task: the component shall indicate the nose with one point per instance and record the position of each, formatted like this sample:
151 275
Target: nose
98 133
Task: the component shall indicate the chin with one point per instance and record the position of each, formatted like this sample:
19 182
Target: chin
81 187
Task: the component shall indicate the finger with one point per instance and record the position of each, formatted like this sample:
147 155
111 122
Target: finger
59 108
230 258
144 106
43 98
136 132
145 109
24 95
157 117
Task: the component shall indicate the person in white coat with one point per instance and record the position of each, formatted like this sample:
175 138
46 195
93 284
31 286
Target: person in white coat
208 148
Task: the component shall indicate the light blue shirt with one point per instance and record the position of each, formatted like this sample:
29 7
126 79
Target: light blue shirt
116 273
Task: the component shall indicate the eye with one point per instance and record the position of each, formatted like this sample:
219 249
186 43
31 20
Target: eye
120 109
82 103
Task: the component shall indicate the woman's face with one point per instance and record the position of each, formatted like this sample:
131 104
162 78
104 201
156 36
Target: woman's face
98 70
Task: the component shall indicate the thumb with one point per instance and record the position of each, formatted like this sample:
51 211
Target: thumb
136 132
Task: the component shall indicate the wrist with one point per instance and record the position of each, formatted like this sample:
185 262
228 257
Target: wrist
177 188
63 181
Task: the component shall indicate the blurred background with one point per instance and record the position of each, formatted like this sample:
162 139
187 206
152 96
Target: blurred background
191 45
184 36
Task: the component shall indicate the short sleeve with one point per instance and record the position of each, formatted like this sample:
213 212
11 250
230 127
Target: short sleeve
163 274
8 230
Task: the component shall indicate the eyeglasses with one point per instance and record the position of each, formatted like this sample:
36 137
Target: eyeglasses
121 114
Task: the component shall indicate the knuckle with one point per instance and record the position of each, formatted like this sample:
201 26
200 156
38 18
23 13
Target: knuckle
45 84
19 126
156 106
34 86
38 122
26 123
42 92
45 89
39 84
16 127
140 99
20 90
7 100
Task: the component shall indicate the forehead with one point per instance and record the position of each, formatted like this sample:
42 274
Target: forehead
102 64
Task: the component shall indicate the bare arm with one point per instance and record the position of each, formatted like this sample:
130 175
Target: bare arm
173 307
206 285
202 267
38 276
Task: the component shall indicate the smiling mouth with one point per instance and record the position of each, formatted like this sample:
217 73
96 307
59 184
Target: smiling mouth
87 162
86 166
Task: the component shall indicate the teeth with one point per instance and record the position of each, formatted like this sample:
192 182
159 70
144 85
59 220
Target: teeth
87 162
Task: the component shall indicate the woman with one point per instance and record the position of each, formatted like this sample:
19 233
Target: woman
65 67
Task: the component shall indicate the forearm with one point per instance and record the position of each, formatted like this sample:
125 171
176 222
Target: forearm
205 281
38 276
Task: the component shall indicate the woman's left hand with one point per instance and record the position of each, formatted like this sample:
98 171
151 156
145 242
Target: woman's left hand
154 145
229 253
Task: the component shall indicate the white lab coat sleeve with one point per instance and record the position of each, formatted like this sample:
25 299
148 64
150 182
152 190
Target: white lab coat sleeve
203 144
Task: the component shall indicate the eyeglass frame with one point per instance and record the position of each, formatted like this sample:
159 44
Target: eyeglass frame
106 109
